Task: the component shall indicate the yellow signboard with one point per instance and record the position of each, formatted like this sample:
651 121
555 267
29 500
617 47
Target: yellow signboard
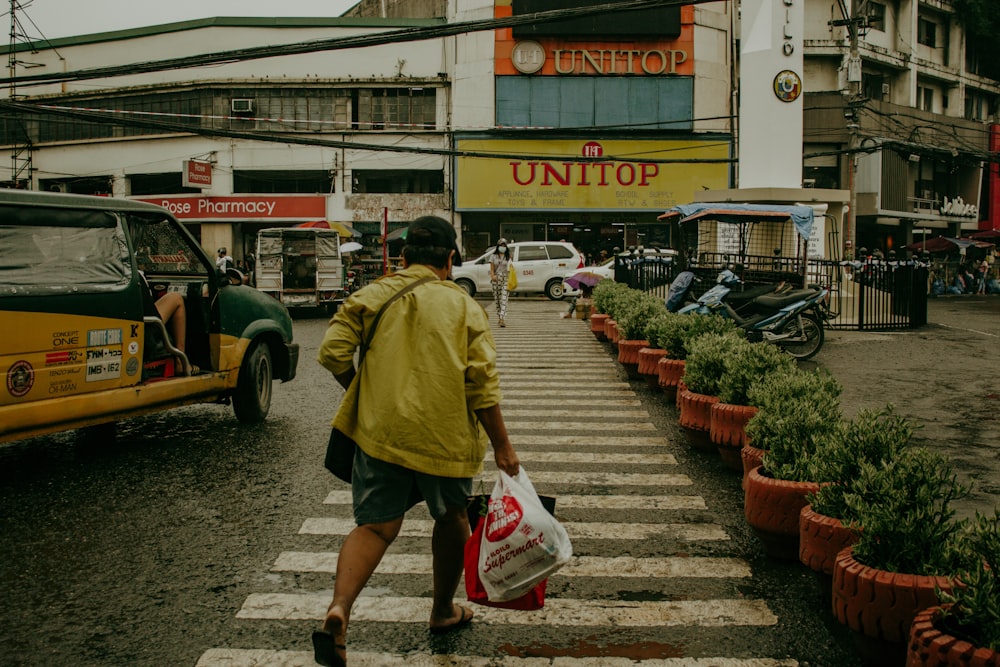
586 175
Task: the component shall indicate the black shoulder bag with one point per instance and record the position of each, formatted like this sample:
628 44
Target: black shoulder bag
340 449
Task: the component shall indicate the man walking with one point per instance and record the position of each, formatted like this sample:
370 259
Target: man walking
421 408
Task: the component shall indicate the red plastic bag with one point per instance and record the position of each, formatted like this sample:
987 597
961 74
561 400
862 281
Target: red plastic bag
530 601
515 547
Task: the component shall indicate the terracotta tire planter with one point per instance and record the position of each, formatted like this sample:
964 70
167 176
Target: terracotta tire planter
728 431
696 417
610 330
670 372
628 356
879 606
597 321
751 457
772 507
821 538
649 357
930 646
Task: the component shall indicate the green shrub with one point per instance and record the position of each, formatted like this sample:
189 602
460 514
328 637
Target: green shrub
747 365
636 313
707 358
657 324
975 611
797 411
607 293
911 527
679 330
873 436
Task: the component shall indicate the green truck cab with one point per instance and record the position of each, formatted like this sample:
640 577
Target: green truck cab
81 339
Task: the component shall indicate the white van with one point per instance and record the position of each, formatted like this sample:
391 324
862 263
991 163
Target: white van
541 267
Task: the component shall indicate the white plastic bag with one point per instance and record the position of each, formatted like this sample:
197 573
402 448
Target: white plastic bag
522 543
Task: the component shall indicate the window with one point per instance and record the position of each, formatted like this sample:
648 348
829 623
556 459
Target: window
288 181
559 252
926 32
396 108
397 181
531 253
874 85
925 98
158 184
876 15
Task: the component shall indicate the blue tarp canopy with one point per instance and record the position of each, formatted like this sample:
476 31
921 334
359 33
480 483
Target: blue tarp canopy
801 216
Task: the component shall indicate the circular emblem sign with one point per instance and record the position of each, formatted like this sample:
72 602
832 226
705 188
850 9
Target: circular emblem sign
592 149
503 518
20 379
527 57
787 86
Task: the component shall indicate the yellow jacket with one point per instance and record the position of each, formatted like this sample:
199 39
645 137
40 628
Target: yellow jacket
431 364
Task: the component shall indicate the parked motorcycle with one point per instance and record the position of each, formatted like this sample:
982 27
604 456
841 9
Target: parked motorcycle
791 318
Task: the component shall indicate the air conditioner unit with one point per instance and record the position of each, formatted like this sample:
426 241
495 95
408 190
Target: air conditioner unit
242 105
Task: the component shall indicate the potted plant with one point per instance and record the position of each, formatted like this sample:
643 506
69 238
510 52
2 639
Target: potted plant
704 367
828 524
797 412
747 365
769 425
632 319
966 630
650 356
673 335
909 549
605 292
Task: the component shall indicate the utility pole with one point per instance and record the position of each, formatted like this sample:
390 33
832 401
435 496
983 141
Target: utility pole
856 21
20 151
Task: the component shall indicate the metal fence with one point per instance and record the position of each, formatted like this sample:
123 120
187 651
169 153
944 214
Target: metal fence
871 295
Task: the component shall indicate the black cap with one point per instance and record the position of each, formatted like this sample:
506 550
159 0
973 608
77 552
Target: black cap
431 230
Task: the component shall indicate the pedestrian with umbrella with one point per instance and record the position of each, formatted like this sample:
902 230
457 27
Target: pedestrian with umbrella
500 265
585 282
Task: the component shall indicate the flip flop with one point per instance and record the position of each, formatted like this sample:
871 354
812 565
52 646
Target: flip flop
466 619
325 649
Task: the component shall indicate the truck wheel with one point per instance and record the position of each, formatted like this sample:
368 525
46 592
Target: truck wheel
252 399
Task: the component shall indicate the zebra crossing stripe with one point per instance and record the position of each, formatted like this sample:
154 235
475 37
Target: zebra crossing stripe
582 502
607 423
578 566
591 457
228 657
556 612
686 532
540 478
575 412
587 440
597 402
577 385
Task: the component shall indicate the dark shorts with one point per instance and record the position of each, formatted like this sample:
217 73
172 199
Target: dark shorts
385 491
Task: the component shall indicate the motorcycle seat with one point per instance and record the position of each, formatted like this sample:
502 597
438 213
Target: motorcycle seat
779 301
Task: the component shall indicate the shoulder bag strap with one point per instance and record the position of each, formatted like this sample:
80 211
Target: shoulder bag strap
381 311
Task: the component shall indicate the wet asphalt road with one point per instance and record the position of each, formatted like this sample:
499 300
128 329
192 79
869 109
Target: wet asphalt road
140 552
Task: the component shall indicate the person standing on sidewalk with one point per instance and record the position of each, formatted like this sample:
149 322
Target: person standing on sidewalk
499 271
427 401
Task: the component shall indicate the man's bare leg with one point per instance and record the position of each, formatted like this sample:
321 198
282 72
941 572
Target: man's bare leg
451 532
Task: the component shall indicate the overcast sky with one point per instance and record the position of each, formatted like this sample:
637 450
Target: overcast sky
63 18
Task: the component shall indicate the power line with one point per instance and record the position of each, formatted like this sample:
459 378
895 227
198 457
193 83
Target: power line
168 126
352 42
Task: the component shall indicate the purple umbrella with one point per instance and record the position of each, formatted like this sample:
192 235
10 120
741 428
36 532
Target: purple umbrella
583 278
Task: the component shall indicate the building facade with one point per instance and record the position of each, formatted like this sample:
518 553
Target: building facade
903 115
584 129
